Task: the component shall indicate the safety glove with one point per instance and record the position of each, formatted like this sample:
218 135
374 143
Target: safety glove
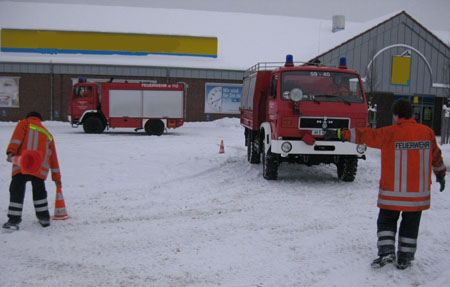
329 134
441 180
10 157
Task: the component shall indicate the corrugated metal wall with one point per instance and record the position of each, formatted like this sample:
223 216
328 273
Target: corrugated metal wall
401 29
111 70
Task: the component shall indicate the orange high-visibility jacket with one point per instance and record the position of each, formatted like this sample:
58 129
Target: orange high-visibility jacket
30 134
408 154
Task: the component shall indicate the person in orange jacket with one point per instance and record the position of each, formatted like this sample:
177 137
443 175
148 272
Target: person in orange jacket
409 153
30 134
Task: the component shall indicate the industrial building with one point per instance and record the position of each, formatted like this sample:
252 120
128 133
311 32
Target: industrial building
40 60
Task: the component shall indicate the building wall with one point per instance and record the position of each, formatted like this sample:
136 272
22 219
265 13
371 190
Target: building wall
34 95
404 30
195 105
371 54
383 102
49 94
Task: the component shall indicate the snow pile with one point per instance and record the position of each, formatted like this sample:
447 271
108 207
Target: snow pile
172 211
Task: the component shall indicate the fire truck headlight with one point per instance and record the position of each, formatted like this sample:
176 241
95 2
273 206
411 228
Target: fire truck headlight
286 147
296 95
361 148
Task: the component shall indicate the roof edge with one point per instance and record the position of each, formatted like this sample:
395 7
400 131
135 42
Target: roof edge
378 25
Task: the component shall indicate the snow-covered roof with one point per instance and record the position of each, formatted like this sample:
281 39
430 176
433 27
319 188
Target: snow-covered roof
243 39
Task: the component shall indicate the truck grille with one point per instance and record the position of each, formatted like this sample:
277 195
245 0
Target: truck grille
322 123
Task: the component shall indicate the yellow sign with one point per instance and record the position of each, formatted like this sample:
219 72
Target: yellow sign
400 70
53 42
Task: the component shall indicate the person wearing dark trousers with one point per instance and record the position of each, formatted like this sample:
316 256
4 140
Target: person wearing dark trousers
31 135
407 237
409 154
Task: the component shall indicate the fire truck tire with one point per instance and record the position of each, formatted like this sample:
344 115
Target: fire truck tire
347 167
270 165
154 127
253 155
93 125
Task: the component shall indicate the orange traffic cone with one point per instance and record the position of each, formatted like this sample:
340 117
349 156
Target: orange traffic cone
60 206
222 149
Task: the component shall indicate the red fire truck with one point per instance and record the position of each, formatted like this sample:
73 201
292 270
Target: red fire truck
149 106
286 107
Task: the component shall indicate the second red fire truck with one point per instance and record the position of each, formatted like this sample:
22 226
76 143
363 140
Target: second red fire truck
149 106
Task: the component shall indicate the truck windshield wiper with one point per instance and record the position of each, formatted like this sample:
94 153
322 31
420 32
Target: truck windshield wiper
334 96
315 100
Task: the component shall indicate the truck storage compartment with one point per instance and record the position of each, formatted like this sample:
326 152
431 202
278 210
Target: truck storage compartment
146 104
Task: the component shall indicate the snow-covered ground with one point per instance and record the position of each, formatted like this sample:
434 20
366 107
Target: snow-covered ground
172 211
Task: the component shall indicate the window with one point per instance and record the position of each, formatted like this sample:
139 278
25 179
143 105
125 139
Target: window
82 92
244 99
273 88
251 94
324 86
248 93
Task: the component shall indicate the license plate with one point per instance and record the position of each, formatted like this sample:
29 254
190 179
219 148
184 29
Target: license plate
317 132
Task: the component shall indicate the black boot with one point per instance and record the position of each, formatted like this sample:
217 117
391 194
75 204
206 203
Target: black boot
404 260
44 222
10 225
403 263
383 260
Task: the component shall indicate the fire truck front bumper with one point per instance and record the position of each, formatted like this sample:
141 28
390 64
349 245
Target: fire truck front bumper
298 147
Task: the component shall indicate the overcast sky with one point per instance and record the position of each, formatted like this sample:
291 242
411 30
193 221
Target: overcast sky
433 14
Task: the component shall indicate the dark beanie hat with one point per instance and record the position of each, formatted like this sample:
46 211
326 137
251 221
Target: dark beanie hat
34 114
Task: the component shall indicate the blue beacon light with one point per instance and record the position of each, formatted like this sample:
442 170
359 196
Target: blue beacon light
343 63
289 61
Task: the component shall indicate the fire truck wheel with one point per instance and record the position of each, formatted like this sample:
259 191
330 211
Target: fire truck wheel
154 127
270 165
347 167
93 125
253 155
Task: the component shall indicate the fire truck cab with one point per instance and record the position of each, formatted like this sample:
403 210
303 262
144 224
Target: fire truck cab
286 107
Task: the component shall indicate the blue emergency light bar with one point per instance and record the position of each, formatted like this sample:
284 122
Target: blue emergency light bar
343 63
289 61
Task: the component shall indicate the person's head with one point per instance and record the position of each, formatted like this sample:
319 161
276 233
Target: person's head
402 109
34 114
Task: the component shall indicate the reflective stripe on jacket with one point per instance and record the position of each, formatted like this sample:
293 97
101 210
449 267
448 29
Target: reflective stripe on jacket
30 134
409 153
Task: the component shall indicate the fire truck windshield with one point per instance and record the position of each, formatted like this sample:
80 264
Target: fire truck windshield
82 92
323 86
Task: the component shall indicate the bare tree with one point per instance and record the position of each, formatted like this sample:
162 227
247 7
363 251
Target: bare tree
371 77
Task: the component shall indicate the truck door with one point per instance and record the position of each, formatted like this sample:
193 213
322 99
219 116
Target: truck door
272 106
83 99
